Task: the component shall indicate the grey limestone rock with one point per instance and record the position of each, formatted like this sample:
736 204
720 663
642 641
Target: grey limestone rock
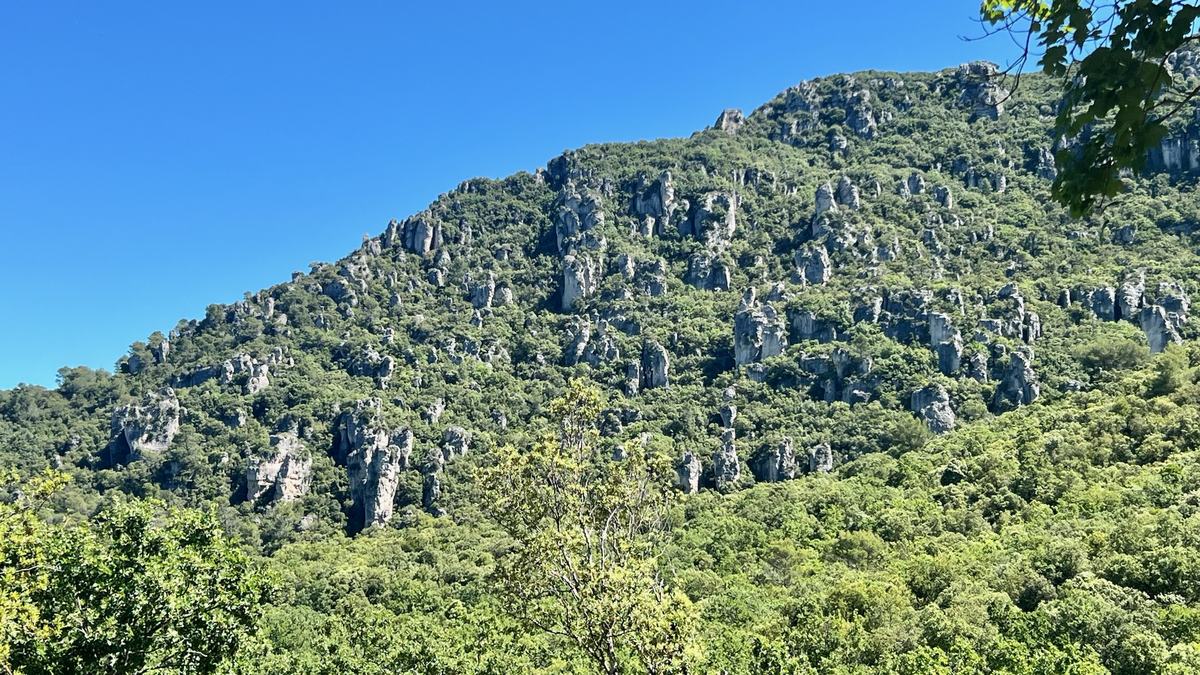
577 214
759 332
932 404
707 273
824 200
1158 328
145 427
1018 386
729 121
813 265
981 90
727 468
483 294
456 442
847 194
820 458
713 220
777 463
370 363
580 279
656 201
656 365
283 475
374 459
944 196
687 472
260 379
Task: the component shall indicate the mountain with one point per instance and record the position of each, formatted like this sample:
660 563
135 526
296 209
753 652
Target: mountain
911 391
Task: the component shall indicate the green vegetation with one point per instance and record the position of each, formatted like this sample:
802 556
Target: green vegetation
939 426
136 589
1122 90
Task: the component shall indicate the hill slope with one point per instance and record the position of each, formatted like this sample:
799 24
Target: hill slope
862 265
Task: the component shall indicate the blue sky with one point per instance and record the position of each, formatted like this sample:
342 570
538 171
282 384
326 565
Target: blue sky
156 157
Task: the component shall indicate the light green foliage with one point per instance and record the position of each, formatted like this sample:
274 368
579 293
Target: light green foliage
136 589
587 528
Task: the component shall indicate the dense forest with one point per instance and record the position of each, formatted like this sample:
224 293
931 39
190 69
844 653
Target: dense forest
859 394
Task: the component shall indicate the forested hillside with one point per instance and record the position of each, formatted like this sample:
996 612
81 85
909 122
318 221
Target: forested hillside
914 416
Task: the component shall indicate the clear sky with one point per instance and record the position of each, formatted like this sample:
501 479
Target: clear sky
158 157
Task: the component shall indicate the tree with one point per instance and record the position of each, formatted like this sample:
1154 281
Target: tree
587 527
1120 91
138 588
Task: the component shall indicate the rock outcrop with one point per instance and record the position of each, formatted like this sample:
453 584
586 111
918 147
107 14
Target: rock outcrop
374 459
456 442
708 273
283 475
656 365
145 427
372 364
419 234
813 265
1158 327
759 332
688 471
776 463
1018 386
729 121
727 468
932 405
654 204
981 90
581 277
820 458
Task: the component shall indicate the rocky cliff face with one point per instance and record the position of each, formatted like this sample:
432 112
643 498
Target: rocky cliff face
762 300
283 475
145 427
